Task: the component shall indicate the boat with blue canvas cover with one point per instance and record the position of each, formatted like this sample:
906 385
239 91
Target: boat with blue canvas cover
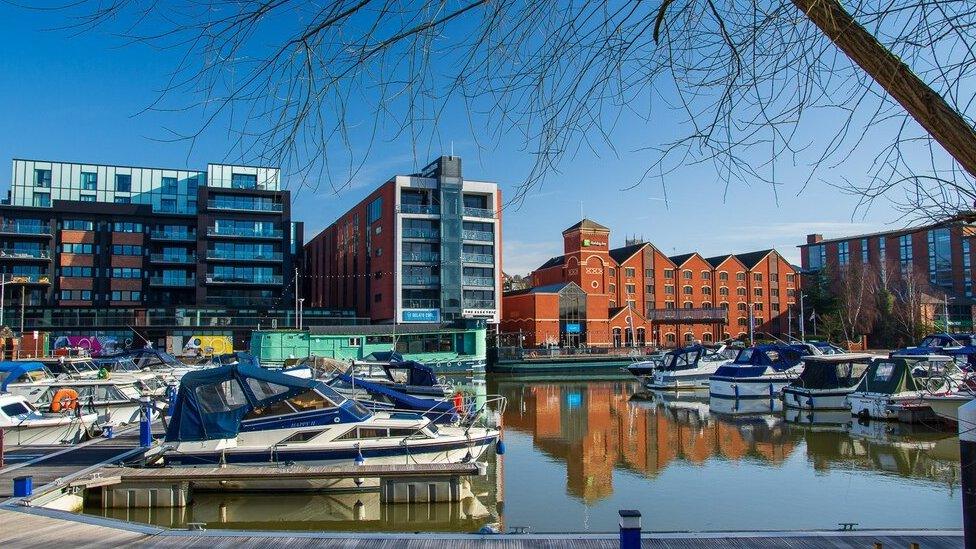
688 368
826 381
408 377
244 414
758 372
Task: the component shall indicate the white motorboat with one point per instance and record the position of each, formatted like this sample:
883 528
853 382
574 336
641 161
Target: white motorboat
688 368
826 381
23 424
899 382
759 372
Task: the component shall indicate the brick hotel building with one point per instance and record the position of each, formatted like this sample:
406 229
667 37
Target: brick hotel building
636 295
420 248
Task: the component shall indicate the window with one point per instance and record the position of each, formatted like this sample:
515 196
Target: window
125 295
775 307
706 304
631 303
758 306
940 258
222 397
76 295
77 248
757 292
78 225
73 272
686 274
611 288
648 273
743 322
167 205
741 307
630 272
42 178
649 289
864 250
243 181
706 290
843 253
905 252
89 181
669 304
669 290
613 272
740 291
123 200
688 305
126 272
169 185
126 249
740 276
87 198
791 279
127 227
724 305
881 248
631 288
967 264
816 256
375 210
705 275
790 292
123 183
723 275
723 291
686 290
668 273
757 277
42 200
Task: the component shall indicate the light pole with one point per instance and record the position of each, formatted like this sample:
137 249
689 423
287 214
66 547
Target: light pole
3 291
301 313
803 314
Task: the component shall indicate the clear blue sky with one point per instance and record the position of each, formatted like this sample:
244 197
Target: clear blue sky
78 98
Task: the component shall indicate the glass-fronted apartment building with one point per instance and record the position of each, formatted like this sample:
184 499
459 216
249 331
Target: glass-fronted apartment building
420 248
86 240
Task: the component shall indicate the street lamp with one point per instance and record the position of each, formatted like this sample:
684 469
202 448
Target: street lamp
301 312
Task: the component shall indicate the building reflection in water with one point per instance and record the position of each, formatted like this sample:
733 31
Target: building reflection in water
597 426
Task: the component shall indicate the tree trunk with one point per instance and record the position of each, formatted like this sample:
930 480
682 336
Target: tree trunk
927 107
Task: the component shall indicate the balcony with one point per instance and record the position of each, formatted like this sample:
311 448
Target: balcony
429 234
422 257
479 304
421 304
182 259
227 255
480 236
244 233
25 255
244 205
175 236
421 280
683 316
263 280
484 259
173 282
25 229
241 301
479 281
421 209
28 279
479 212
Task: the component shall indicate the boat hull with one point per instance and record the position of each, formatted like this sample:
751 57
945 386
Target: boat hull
748 388
947 407
879 406
816 399
680 380
69 430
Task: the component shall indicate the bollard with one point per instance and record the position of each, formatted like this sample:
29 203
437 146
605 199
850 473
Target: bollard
23 486
109 430
170 399
630 529
145 422
967 459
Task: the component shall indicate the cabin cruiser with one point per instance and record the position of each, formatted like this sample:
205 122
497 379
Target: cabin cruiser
115 399
899 381
242 413
23 424
826 381
688 368
161 363
646 367
759 372
408 377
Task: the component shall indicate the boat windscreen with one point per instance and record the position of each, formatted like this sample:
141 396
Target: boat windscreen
831 375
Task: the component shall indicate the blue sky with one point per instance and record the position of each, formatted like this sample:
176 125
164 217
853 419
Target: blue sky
79 98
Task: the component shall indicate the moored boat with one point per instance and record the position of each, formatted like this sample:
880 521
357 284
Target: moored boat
688 368
895 382
24 425
826 381
759 372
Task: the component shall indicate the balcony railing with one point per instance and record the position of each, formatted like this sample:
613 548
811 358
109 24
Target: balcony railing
264 279
422 257
421 280
421 233
485 259
675 316
27 279
423 209
173 258
481 236
421 303
479 304
20 227
174 235
173 282
244 256
481 281
9 253
244 233
479 212
245 205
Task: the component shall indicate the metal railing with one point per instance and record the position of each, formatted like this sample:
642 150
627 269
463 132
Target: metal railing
482 281
265 279
479 212
244 256
425 257
245 205
173 235
478 258
10 253
478 304
421 280
174 282
703 314
424 209
245 233
421 303
72 318
173 258
421 233
481 236
20 227
27 279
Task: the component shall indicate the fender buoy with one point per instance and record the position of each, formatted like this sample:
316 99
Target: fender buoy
64 399
500 447
103 373
458 402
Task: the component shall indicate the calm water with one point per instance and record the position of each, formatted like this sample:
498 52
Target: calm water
579 450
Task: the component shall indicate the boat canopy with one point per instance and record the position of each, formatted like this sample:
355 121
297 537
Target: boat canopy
946 340
777 357
383 356
410 372
888 376
683 358
151 358
12 371
840 371
212 402
401 401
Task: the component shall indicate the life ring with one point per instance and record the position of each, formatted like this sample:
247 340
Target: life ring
64 399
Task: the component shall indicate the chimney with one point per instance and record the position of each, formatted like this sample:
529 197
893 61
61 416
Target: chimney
814 238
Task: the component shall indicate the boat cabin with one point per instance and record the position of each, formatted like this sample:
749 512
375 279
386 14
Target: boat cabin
17 372
888 376
835 371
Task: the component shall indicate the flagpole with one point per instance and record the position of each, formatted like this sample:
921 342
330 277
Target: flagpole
803 336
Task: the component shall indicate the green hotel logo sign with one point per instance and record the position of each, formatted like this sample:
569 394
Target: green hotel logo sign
586 242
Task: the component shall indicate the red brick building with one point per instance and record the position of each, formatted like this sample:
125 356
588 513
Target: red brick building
637 296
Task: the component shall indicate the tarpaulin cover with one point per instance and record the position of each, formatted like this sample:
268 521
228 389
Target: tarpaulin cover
778 357
383 356
401 401
823 374
212 402
419 374
888 376
151 358
13 370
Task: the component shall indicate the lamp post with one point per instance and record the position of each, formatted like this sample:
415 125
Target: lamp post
301 313
803 335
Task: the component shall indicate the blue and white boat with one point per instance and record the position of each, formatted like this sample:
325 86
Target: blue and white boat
759 372
244 414
688 368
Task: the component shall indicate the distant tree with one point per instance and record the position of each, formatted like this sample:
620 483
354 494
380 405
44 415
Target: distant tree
855 288
742 83
912 298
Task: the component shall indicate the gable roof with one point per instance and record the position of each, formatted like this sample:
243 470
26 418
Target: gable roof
623 254
680 259
751 259
587 224
547 289
553 262
718 260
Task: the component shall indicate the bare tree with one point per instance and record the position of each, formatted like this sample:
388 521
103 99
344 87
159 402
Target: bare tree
912 304
746 84
855 287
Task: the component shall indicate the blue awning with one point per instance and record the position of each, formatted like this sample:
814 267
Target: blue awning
402 401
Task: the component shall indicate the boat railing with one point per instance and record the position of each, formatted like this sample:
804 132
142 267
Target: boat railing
482 411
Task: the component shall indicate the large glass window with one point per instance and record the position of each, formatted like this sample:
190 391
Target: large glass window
42 178
89 181
123 183
940 258
843 253
79 225
375 210
967 267
905 252
816 256
42 200
169 185
864 250
244 181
